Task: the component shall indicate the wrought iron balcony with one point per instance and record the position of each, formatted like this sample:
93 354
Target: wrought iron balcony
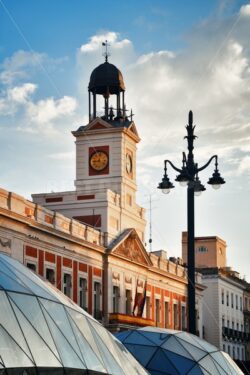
232 334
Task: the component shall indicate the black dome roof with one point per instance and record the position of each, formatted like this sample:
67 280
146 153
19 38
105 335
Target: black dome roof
106 76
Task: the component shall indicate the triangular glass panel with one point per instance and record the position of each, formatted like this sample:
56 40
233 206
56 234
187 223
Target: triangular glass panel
182 364
40 351
175 346
108 339
115 347
137 338
110 362
156 338
81 322
205 372
91 360
30 307
11 353
10 324
221 371
159 362
31 281
58 314
196 370
204 344
222 361
143 354
190 339
9 283
195 352
68 356
230 362
208 364
122 335
129 363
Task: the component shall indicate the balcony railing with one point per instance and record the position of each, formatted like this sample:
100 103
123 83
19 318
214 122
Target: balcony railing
130 320
232 334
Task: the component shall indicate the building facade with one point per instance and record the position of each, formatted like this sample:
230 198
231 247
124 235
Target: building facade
90 242
246 311
104 280
223 306
223 311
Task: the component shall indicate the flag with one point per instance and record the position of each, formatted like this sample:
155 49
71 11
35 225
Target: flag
136 298
140 300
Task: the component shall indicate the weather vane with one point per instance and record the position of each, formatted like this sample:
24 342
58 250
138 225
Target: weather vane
106 54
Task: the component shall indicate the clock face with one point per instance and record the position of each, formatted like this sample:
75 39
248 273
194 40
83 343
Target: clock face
129 164
99 160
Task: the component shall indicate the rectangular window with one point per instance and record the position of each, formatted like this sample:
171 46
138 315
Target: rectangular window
67 286
50 275
31 266
232 300
97 301
228 325
223 322
176 325
240 303
236 302
227 299
116 296
148 308
183 318
128 301
222 297
232 325
157 311
166 312
83 293
229 350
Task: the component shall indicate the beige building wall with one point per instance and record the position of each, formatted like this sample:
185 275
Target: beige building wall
209 251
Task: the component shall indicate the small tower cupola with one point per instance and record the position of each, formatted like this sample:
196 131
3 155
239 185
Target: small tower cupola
106 80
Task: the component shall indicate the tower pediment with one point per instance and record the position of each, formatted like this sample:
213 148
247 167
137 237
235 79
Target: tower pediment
129 246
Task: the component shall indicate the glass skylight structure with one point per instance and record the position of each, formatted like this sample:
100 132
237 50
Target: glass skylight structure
44 332
162 351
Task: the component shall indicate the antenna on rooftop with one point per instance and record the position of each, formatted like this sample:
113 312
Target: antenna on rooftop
106 54
150 222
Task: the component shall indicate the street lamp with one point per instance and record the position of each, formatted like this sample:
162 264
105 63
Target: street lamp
189 176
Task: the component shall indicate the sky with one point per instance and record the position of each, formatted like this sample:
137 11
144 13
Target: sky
175 56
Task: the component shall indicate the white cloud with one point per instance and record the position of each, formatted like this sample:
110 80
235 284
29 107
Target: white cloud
245 10
244 166
21 94
48 110
15 67
95 42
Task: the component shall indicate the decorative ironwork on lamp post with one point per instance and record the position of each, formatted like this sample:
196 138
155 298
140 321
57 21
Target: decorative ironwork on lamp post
189 176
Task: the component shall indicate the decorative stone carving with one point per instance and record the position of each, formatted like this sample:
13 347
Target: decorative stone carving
5 245
128 279
131 250
116 276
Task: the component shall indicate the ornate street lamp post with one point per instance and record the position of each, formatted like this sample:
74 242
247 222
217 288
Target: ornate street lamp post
188 176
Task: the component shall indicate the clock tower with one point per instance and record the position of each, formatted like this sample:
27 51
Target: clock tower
105 184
